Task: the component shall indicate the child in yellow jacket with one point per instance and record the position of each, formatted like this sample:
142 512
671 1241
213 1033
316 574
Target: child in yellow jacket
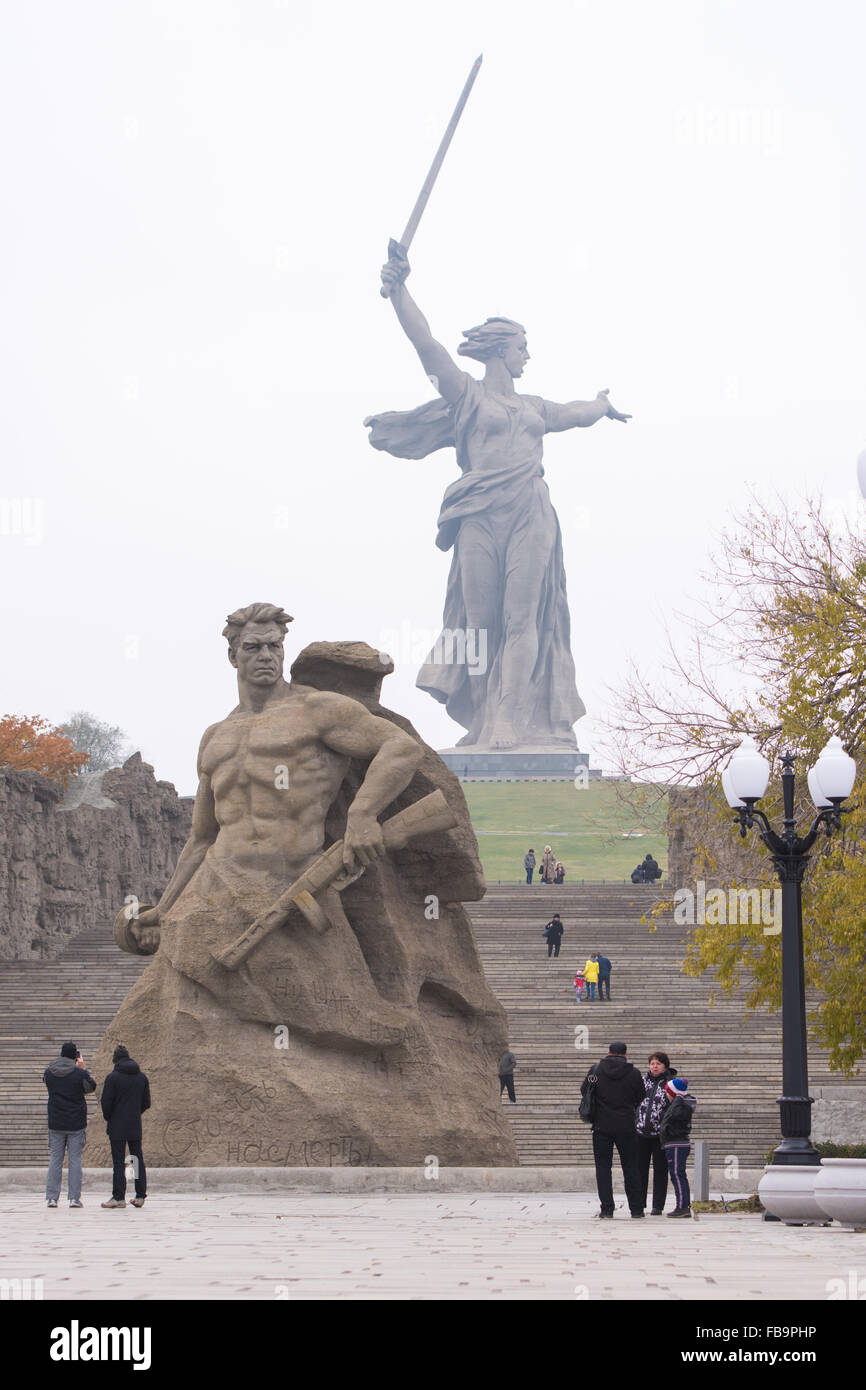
590 974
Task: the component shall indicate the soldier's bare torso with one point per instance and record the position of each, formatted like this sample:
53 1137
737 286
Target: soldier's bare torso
270 771
272 780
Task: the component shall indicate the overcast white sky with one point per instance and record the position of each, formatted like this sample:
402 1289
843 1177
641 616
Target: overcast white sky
195 199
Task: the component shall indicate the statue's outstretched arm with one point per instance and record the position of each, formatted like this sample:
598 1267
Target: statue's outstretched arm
437 362
576 414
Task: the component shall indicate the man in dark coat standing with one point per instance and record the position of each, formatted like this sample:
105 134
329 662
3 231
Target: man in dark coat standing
68 1082
507 1063
604 969
651 870
125 1096
619 1089
553 934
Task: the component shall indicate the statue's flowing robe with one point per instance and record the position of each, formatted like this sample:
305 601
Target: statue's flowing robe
503 510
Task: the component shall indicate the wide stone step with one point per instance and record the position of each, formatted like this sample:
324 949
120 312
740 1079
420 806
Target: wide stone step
732 1057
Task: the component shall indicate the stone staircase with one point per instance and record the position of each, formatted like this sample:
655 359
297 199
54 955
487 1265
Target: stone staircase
42 1003
732 1059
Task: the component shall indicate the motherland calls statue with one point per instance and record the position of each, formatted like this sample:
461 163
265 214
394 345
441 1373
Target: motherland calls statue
507 576
315 995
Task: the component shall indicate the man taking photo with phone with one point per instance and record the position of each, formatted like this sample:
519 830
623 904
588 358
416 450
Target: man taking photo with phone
68 1082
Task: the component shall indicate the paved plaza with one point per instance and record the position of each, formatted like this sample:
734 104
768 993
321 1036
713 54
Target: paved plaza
327 1245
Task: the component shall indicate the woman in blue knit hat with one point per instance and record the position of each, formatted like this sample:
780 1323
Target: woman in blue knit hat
674 1136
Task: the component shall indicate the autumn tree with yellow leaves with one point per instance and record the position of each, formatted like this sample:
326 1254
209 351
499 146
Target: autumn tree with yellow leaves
777 652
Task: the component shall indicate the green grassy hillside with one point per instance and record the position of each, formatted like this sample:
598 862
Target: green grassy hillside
584 826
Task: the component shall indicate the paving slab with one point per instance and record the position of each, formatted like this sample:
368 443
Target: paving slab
431 1245
343 1178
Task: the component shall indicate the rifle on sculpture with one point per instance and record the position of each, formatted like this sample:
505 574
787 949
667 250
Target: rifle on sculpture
423 817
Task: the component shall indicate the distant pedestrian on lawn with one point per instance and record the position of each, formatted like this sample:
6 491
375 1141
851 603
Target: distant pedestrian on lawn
647 1122
529 865
590 971
548 865
68 1082
125 1097
559 873
618 1090
604 969
507 1063
553 934
674 1133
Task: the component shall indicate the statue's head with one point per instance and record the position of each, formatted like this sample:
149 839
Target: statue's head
255 635
497 338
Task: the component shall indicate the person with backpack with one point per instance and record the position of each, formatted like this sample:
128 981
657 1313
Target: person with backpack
651 870
647 1122
674 1136
68 1082
617 1090
125 1096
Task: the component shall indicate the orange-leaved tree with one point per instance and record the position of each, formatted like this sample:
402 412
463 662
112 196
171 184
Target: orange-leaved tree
33 745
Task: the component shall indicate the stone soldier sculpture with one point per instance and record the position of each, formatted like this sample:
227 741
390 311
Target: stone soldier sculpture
351 1024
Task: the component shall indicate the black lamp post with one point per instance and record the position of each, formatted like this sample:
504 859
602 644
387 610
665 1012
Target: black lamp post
830 782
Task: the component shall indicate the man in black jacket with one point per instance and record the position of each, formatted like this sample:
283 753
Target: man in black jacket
507 1063
125 1096
604 969
68 1082
619 1089
553 932
651 870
